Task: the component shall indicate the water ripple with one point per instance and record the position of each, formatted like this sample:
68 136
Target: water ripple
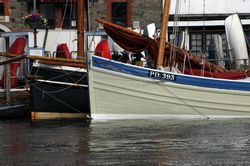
126 142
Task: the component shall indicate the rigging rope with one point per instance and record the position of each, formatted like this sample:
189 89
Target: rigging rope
172 60
63 89
62 75
67 105
60 90
64 13
164 87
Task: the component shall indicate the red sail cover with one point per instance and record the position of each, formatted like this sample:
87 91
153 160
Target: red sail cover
102 49
16 48
232 75
135 42
62 51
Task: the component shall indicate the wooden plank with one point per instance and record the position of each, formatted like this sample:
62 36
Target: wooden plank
7 85
63 64
49 59
12 60
56 115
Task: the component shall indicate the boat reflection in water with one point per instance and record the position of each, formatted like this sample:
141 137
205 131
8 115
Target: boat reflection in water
125 142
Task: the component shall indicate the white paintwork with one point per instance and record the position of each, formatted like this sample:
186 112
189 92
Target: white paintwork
151 29
4 28
204 23
93 41
118 95
106 117
2 49
55 37
60 36
216 46
236 39
37 64
63 68
60 83
208 7
211 6
15 90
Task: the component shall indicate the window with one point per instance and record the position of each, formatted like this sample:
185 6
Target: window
54 13
1 9
47 11
207 46
248 38
196 43
69 16
119 12
199 42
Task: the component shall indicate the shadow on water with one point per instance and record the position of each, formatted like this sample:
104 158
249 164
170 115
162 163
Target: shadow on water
170 142
60 123
125 142
57 142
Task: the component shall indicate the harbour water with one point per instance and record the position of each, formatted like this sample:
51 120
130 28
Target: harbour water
125 142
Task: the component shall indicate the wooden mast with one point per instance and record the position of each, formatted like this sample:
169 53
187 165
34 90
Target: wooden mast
80 28
163 33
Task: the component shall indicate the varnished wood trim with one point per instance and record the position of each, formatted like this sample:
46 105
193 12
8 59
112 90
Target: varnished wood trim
56 115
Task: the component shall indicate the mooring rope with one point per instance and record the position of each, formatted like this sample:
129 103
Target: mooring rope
68 87
60 90
62 75
62 102
179 98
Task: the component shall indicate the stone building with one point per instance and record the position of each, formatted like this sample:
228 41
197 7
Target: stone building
61 13
199 19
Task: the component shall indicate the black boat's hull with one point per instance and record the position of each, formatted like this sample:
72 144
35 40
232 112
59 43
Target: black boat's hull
13 111
18 107
59 94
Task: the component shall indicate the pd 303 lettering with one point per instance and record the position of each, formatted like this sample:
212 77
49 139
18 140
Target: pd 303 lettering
160 75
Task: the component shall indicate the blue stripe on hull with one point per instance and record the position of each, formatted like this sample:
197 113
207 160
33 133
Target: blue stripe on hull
167 76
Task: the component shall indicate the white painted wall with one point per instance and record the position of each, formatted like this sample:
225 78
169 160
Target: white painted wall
2 49
54 38
211 6
2 44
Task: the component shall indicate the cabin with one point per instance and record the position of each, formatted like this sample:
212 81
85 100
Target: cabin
202 20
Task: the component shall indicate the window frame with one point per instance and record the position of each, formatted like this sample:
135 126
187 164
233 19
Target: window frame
129 10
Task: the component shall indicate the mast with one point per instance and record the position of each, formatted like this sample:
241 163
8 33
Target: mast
34 6
163 33
35 29
80 28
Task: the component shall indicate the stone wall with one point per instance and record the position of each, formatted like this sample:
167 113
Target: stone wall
144 11
147 11
18 9
97 10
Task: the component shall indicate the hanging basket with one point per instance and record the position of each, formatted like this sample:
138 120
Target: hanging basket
35 20
33 25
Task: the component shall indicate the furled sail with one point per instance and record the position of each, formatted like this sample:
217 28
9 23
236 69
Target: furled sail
135 42
193 65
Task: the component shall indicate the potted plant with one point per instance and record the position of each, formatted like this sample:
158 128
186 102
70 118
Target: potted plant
35 20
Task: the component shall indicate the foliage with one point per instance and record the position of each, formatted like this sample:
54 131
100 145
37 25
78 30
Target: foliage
35 20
